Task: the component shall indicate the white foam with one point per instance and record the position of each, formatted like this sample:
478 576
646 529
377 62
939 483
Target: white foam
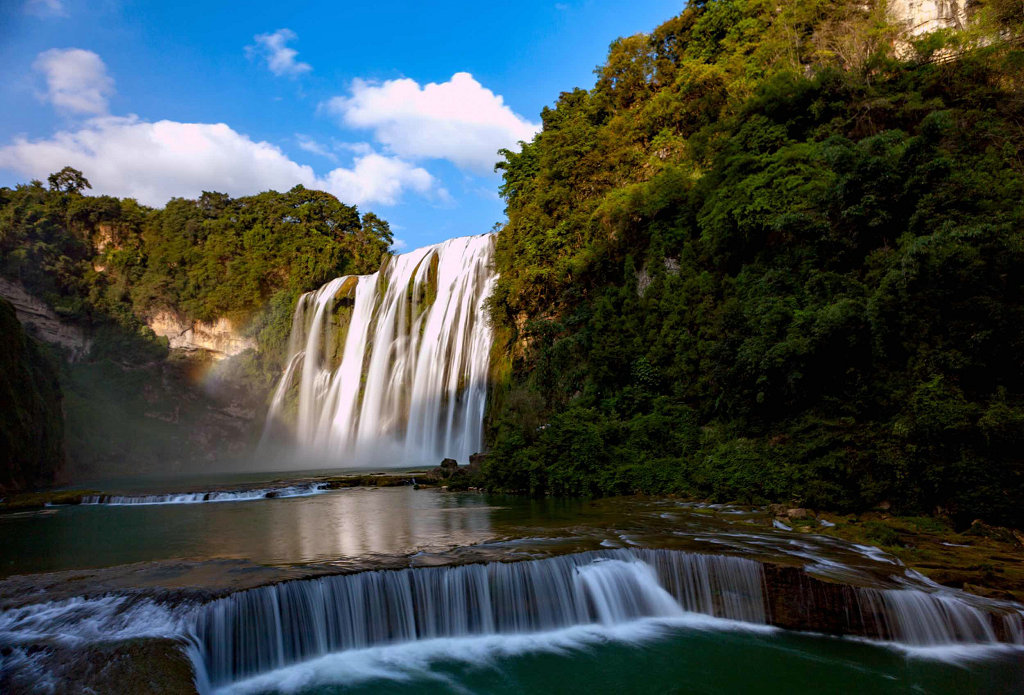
203 497
414 660
82 620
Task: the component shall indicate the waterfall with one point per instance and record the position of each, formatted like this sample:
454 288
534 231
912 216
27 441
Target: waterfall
259 630
266 628
271 627
921 619
391 368
302 490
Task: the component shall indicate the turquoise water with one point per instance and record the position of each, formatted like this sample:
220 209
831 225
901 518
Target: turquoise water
705 657
696 654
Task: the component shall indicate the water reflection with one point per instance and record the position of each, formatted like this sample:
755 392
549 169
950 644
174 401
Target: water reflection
335 526
360 523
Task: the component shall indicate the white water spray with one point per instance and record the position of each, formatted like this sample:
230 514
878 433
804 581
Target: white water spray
391 368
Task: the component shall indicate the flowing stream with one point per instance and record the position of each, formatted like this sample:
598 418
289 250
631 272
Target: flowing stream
391 368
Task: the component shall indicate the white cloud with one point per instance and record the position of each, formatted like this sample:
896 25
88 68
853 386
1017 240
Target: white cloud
375 178
46 8
154 161
459 120
310 145
76 80
399 244
280 58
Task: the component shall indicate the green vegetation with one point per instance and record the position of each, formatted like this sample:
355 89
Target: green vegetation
31 426
764 259
109 265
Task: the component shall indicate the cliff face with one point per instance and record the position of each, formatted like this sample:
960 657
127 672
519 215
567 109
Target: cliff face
31 422
919 17
220 338
42 322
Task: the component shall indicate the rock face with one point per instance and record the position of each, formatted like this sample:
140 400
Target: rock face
220 338
31 420
922 16
43 323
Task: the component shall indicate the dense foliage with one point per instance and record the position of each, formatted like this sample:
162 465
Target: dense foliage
31 426
111 263
766 259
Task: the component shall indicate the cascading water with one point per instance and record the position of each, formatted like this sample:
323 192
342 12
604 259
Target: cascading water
271 627
241 641
304 490
268 628
391 368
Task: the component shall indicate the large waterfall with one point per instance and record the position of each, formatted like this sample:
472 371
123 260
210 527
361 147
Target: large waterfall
391 368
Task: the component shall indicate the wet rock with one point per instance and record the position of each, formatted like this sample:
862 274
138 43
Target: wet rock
798 601
998 533
448 469
799 513
476 461
132 666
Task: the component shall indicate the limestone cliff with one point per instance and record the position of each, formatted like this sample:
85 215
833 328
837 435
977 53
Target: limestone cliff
43 323
919 17
220 338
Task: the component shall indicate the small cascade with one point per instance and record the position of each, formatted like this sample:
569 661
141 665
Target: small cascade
267 628
927 619
391 368
211 496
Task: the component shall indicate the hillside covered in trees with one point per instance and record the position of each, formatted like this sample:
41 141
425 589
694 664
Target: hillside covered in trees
775 254
106 266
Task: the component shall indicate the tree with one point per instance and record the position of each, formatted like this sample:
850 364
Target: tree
68 180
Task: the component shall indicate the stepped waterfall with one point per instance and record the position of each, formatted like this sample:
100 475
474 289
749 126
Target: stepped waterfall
391 368
281 637
269 628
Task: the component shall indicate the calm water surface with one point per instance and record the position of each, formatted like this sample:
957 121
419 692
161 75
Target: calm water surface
348 523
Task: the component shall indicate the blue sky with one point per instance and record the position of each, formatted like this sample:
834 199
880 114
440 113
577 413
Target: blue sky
394 106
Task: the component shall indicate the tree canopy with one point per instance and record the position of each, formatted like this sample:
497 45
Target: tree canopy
766 259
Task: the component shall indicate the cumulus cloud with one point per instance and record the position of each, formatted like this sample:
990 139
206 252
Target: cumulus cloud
46 8
280 58
155 161
310 145
459 120
76 80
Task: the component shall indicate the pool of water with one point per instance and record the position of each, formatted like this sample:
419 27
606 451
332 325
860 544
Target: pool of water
334 525
695 655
